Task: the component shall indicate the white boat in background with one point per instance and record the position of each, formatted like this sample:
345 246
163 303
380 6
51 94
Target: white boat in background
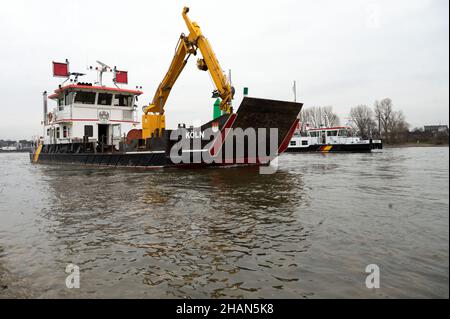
331 139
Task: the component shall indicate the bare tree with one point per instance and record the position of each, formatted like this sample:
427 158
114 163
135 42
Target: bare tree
317 116
391 124
330 118
383 113
311 116
397 126
362 117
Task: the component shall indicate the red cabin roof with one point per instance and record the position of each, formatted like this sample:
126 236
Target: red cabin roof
92 88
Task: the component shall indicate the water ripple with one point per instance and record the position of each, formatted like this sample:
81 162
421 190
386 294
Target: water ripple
307 231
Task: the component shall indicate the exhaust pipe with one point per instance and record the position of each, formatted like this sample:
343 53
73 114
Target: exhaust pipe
44 95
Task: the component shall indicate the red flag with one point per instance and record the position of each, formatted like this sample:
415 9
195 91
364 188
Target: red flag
121 77
60 69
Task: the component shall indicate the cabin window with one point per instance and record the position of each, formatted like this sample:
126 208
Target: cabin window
293 143
89 130
343 133
57 132
104 99
61 104
304 142
68 98
123 100
313 134
332 133
85 97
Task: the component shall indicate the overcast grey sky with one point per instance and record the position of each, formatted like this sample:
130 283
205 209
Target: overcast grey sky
341 53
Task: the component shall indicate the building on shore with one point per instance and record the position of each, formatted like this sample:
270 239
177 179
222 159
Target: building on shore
13 146
435 129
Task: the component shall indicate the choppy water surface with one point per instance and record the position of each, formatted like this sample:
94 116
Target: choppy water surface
307 231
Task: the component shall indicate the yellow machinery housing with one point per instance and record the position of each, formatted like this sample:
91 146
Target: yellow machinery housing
153 119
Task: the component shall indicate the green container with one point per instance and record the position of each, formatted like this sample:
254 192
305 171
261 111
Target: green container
216 110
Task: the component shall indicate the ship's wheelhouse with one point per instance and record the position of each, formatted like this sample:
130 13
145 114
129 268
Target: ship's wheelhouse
90 114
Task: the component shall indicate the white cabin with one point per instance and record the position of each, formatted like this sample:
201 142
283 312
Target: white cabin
88 113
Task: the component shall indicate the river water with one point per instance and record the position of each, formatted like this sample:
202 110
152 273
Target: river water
307 231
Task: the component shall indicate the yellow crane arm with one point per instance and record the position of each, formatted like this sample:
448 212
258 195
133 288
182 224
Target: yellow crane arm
183 51
209 62
153 119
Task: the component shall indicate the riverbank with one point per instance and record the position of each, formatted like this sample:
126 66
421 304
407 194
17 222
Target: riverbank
11 287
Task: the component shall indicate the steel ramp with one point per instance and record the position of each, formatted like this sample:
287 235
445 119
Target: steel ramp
263 113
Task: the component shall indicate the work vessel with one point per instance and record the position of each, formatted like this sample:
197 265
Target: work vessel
97 124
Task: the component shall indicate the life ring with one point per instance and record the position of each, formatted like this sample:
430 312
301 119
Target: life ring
50 117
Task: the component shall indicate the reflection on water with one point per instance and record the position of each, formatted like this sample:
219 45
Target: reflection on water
307 231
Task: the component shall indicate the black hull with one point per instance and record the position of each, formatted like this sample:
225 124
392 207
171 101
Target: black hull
336 148
140 160
111 160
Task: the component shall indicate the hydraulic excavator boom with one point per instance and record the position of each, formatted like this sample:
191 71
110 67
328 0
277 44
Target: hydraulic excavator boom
153 119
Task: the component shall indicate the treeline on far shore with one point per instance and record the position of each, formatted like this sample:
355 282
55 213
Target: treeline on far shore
382 121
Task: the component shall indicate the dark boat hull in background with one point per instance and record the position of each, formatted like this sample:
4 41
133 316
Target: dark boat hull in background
336 148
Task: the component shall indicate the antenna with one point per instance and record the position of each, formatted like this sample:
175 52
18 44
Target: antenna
294 88
104 68
76 75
